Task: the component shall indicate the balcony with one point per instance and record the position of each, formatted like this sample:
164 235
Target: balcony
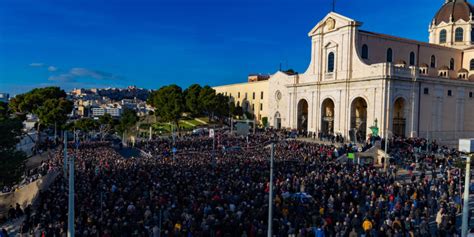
404 72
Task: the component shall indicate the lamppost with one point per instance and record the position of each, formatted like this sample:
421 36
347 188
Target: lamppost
270 192
71 230
386 148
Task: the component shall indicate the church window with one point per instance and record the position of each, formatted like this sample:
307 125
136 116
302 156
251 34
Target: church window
253 96
450 93
470 94
442 36
331 62
426 91
433 61
459 35
389 55
365 51
471 65
472 35
412 59
451 64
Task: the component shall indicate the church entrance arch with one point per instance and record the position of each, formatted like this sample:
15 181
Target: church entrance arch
277 121
399 119
302 116
358 119
327 117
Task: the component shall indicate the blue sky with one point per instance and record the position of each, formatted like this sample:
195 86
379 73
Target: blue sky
147 43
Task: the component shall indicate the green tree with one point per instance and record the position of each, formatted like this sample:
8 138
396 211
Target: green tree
249 115
10 128
106 125
106 119
222 109
169 103
86 124
128 119
49 104
32 100
4 112
239 111
11 160
54 111
191 96
232 108
207 101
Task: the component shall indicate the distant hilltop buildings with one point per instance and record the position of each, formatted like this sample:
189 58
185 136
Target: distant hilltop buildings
130 92
98 102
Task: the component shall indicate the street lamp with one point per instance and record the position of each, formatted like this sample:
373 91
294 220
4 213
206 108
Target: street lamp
270 192
466 146
386 148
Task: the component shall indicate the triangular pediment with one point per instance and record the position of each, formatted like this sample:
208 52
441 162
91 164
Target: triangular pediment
332 21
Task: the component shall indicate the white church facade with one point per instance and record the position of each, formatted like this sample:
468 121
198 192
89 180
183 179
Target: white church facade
357 77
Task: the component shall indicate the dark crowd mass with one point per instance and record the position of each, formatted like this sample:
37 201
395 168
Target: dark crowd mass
224 193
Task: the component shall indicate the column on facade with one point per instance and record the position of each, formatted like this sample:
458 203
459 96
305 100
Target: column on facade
413 125
459 111
290 114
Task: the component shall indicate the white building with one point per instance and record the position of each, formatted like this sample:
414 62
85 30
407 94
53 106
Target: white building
356 77
100 111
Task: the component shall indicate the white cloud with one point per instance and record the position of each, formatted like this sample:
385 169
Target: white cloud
36 64
77 72
52 68
65 77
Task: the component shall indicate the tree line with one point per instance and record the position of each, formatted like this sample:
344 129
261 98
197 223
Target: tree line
171 103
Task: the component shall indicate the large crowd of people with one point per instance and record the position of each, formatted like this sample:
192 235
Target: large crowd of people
33 174
200 191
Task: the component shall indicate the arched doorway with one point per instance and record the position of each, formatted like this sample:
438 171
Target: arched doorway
358 119
398 119
277 121
303 116
327 117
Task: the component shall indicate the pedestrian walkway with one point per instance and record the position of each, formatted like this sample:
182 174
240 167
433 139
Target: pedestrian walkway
36 160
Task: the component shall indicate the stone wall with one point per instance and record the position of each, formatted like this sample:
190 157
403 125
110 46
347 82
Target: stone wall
25 195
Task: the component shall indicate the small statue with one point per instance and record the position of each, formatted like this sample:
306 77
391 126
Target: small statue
375 129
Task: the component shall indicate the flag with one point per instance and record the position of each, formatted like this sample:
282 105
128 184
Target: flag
350 156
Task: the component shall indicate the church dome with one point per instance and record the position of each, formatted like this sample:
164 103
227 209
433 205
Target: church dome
457 9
